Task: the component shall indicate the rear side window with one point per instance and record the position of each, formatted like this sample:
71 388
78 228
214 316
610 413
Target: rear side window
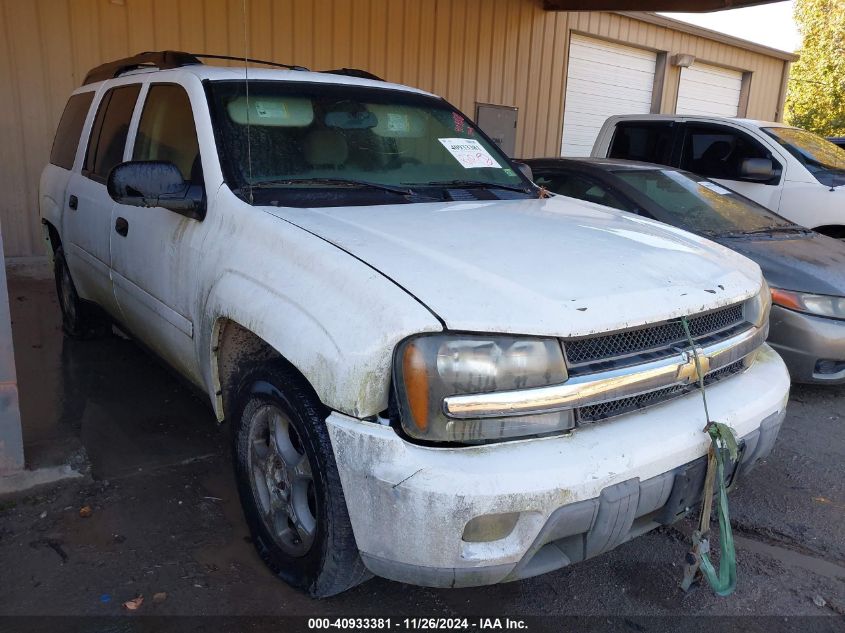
648 142
167 131
70 127
108 135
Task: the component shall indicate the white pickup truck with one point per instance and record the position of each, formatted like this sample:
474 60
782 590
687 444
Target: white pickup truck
790 171
431 373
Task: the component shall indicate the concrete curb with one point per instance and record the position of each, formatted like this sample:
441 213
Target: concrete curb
26 479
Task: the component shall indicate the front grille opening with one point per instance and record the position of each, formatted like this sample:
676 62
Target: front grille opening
604 410
620 349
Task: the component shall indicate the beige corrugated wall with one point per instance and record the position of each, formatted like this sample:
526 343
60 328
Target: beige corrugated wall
508 52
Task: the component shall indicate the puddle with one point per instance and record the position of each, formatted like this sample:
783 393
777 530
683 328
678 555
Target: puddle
107 396
792 558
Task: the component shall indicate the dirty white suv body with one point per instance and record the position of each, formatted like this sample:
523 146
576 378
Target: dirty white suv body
450 490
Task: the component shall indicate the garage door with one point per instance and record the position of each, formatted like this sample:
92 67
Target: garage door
603 79
709 90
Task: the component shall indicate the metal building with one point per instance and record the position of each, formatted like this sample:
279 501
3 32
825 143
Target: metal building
559 73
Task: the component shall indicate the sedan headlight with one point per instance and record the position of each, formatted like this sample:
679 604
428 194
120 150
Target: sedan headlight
820 305
430 368
756 310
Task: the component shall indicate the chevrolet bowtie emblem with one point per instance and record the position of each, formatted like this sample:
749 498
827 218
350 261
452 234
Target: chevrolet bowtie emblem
687 371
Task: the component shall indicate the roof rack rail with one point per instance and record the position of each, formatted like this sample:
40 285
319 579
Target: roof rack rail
353 72
166 60
162 60
251 60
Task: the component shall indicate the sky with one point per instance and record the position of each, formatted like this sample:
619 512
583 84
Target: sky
769 24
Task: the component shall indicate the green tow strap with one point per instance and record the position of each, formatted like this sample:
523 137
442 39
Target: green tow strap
722 438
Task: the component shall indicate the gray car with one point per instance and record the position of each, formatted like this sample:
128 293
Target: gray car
806 270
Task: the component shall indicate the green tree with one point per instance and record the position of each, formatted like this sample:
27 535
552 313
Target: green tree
816 96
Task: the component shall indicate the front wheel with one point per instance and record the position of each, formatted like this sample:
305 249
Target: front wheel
289 485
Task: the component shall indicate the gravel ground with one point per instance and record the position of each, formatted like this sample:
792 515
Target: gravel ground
165 517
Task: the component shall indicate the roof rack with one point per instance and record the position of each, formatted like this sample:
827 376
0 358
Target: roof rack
166 60
150 59
353 72
251 60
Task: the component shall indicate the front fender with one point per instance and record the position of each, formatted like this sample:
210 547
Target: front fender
343 345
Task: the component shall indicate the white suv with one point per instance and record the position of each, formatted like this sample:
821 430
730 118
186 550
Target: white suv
431 373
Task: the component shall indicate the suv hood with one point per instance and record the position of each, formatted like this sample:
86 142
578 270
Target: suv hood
554 267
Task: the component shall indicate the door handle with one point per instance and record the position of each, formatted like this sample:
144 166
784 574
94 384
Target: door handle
121 226
73 202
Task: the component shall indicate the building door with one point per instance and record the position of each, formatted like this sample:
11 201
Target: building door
709 91
603 79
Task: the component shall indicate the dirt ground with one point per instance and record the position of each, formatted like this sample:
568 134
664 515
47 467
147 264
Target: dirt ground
166 519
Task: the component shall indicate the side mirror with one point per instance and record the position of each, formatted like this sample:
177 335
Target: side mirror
757 169
525 169
156 184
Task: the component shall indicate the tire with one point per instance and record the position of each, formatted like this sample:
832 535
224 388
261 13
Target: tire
289 485
78 318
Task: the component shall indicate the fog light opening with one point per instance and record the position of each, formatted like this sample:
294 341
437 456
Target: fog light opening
490 527
827 366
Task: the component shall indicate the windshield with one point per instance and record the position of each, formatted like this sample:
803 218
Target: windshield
822 158
699 205
336 137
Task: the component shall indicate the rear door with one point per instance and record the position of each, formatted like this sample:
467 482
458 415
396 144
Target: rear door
646 141
87 219
717 151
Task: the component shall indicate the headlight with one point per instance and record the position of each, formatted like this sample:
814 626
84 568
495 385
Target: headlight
756 309
427 369
821 305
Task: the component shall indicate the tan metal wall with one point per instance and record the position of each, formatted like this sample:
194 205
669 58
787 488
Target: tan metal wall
508 52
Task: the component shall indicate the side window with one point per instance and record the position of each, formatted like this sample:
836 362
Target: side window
70 127
577 186
167 131
648 142
108 134
718 152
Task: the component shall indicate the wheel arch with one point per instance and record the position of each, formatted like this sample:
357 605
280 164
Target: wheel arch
236 348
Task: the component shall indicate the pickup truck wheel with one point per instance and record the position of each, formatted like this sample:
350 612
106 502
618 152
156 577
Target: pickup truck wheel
289 485
77 322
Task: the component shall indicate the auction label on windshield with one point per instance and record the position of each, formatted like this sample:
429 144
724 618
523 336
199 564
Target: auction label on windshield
469 153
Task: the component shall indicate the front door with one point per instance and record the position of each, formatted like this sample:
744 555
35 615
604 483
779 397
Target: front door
155 252
717 151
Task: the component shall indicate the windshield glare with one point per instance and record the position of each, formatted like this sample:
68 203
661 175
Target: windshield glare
822 158
699 205
302 131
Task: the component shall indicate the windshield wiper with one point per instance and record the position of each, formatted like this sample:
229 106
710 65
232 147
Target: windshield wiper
350 182
783 228
463 184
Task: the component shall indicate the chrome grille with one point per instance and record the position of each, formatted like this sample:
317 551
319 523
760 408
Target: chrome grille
596 412
651 342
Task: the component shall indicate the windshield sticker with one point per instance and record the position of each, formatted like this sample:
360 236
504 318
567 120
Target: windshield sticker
712 186
469 153
509 172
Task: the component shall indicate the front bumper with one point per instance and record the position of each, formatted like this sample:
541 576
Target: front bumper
577 495
802 340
